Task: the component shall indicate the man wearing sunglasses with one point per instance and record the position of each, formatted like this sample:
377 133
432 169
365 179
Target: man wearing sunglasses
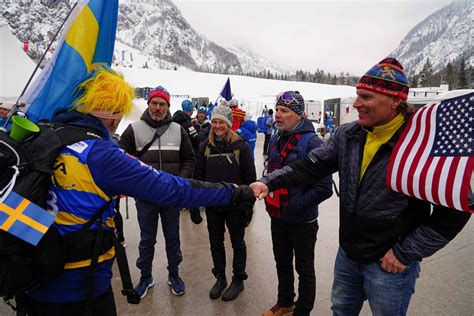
383 234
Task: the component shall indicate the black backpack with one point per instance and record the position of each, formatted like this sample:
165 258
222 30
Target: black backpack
24 267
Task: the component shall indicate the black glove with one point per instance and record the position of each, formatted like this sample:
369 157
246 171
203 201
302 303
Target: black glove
195 213
243 197
247 216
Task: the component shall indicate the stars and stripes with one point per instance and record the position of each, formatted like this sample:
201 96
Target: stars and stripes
433 160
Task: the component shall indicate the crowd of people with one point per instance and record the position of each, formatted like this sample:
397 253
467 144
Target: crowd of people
206 164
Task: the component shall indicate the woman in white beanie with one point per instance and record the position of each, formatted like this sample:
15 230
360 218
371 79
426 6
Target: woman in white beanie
225 156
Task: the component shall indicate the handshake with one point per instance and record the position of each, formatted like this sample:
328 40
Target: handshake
245 195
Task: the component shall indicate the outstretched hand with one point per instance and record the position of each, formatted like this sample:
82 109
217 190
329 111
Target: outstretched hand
260 190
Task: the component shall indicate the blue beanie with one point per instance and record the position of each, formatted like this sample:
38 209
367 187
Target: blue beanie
187 106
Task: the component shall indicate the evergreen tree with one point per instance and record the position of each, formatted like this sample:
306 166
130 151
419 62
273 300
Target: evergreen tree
450 76
414 81
426 75
462 77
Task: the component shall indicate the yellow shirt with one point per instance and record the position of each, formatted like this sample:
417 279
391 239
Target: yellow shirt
380 135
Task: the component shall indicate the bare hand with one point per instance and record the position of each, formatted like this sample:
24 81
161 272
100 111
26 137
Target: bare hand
260 190
391 264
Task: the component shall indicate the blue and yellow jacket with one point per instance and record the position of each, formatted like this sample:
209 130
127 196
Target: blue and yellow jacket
87 175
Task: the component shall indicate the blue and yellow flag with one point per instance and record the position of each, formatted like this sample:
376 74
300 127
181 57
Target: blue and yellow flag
24 219
87 41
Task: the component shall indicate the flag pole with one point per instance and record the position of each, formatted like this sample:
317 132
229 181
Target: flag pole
17 106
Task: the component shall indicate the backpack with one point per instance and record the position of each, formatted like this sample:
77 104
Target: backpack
302 146
261 124
27 169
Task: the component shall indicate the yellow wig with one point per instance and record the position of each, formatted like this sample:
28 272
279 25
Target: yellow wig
105 90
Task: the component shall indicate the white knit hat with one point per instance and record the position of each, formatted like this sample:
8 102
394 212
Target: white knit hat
224 113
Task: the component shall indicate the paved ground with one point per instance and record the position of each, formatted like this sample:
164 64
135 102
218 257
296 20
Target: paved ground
444 288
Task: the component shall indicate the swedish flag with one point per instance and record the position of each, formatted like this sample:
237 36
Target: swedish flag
24 219
87 41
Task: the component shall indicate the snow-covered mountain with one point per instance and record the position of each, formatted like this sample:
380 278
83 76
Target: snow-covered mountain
150 33
443 37
250 60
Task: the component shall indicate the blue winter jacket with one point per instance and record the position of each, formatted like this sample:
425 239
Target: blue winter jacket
104 172
248 130
303 201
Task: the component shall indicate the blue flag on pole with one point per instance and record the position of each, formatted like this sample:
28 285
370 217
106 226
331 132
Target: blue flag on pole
226 93
24 219
87 41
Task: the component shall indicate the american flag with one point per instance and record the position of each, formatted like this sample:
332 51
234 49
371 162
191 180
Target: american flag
433 160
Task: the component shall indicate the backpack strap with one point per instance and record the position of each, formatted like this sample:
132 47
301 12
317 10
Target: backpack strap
95 254
159 131
122 262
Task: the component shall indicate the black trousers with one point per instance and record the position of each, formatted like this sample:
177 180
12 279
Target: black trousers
234 220
102 305
298 240
265 143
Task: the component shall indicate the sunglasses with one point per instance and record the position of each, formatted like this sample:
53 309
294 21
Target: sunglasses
285 98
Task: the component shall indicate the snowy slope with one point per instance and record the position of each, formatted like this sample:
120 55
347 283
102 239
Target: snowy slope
442 37
252 93
16 67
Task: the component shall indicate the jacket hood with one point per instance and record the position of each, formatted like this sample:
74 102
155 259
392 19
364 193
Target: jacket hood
304 126
179 117
147 118
249 125
75 118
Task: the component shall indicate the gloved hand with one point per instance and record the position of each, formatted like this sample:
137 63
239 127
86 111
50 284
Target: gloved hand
247 216
195 213
243 197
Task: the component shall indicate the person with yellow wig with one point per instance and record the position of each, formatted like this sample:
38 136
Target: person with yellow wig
87 175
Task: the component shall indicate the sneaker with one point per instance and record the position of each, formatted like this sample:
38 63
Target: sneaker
176 284
278 310
144 285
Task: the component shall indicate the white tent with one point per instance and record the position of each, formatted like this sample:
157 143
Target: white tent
15 66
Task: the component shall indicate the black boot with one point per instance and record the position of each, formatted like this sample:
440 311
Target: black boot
195 215
218 287
234 290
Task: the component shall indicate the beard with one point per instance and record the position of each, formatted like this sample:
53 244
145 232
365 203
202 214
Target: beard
157 116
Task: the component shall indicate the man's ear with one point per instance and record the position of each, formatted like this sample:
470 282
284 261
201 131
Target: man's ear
396 102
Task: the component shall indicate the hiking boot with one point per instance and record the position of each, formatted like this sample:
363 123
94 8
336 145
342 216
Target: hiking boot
176 284
234 290
218 287
144 285
278 310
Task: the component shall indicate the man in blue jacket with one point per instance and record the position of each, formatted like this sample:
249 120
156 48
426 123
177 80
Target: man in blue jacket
92 172
383 234
294 212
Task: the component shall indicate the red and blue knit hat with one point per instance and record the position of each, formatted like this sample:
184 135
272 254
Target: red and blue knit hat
159 92
387 77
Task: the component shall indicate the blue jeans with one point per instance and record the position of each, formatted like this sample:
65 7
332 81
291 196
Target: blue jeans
387 293
148 215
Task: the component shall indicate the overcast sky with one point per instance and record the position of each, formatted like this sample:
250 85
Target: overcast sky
331 35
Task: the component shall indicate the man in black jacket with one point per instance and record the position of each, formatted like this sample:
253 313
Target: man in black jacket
383 234
183 118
